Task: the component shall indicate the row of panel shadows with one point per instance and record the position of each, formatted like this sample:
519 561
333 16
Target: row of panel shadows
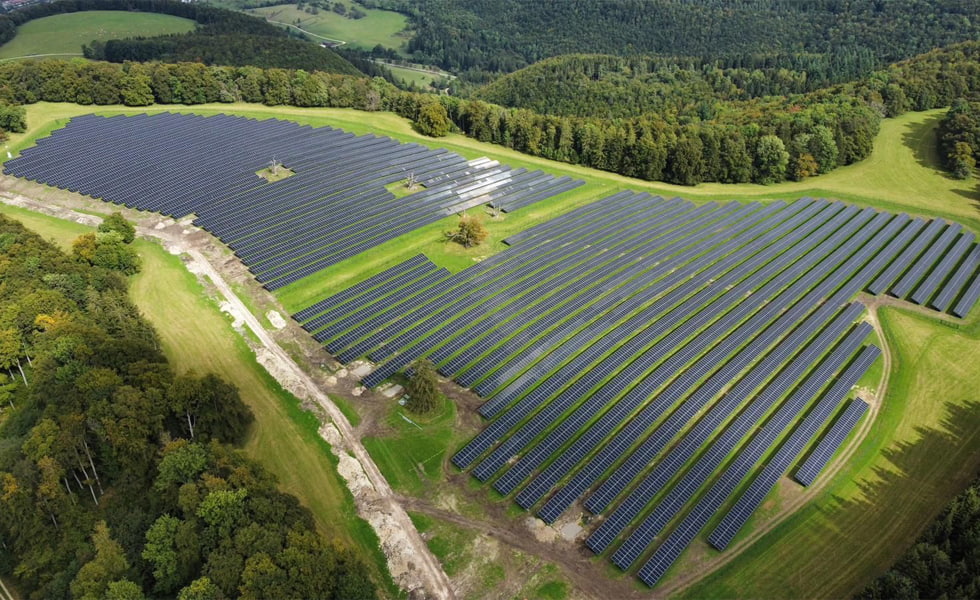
333 205
656 364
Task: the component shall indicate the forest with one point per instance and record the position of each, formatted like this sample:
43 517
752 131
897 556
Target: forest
943 563
475 38
592 85
119 478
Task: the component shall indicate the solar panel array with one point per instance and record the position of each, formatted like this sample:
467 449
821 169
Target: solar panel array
334 206
650 358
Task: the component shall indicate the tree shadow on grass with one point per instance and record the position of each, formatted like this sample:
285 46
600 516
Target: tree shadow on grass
920 138
908 497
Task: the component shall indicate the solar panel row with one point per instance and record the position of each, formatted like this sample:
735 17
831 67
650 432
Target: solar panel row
546 281
781 320
709 503
760 269
661 322
833 440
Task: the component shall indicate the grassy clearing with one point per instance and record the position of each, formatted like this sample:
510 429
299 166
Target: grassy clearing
411 456
65 34
195 335
922 450
378 27
484 566
420 78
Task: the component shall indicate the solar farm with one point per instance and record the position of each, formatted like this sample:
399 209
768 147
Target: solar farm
655 365
663 363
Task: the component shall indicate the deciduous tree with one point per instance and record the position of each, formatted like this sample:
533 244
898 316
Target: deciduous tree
469 232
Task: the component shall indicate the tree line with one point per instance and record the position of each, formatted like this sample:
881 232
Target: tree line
958 137
943 563
223 37
119 477
765 139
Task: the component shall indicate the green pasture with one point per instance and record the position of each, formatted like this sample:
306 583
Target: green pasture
65 34
378 27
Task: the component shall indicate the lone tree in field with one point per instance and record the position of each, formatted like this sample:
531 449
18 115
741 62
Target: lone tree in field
469 233
421 387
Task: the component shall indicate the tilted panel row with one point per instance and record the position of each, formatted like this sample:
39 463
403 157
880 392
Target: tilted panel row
834 439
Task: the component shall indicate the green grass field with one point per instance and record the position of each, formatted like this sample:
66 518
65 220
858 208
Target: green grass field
411 455
922 448
65 34
378 27
423 80
196 335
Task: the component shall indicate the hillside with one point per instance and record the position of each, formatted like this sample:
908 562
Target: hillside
504 35
223 37
594 85
67 33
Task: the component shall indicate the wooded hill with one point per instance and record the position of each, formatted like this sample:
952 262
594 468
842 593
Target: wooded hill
473 36
117 476
594 85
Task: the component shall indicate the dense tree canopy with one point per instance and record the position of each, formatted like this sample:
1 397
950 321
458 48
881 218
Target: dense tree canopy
579 85
943 563
474 36
116 476
959 138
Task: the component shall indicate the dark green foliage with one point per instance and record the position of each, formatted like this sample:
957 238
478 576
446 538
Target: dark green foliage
422 390
589 85
13 118
432 119
97 443
116 222
208 408
959 138
944 563
477 36
107 249
771 159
